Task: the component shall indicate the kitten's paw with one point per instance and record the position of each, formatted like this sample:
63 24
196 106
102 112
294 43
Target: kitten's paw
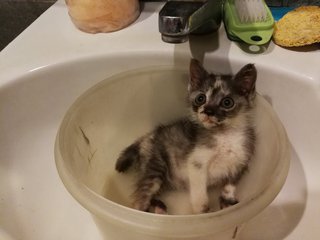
201 208
205 208
157 206
154 206
227 202
141 206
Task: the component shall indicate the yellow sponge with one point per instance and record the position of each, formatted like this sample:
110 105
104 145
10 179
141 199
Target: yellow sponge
298 27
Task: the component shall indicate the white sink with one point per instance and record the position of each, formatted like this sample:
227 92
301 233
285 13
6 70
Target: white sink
50 64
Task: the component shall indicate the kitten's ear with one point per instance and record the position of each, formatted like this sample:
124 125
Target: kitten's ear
197 74
245 80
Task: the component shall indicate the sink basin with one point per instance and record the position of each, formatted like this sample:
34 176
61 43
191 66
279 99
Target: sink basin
38 84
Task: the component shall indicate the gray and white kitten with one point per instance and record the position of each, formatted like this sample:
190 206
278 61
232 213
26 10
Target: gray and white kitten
211 147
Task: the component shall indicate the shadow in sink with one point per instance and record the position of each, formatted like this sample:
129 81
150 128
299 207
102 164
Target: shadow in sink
279 219
256 49
202 45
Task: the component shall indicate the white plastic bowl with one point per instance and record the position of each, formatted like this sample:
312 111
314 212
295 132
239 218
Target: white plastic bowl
110 115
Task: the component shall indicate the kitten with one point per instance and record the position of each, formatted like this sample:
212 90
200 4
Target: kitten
211 147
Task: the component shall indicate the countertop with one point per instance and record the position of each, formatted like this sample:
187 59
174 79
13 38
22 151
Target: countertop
17 15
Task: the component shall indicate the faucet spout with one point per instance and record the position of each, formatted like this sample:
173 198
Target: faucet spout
177 19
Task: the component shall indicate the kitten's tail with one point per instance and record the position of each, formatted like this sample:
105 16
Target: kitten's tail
129 156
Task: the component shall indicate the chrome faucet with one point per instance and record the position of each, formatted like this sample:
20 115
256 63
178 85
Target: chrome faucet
177 19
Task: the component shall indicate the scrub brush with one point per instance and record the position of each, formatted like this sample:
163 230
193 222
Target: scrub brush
249 21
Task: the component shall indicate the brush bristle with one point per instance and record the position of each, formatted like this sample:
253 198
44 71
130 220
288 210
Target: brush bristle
250 11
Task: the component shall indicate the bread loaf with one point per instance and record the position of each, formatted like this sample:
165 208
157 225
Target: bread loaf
95 16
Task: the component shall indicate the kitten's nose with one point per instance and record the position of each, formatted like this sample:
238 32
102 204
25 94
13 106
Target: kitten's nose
209 111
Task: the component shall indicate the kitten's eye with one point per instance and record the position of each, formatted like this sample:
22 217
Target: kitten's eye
200 99
227 103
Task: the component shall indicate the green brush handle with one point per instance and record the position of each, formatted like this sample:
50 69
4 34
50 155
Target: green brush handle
253 33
